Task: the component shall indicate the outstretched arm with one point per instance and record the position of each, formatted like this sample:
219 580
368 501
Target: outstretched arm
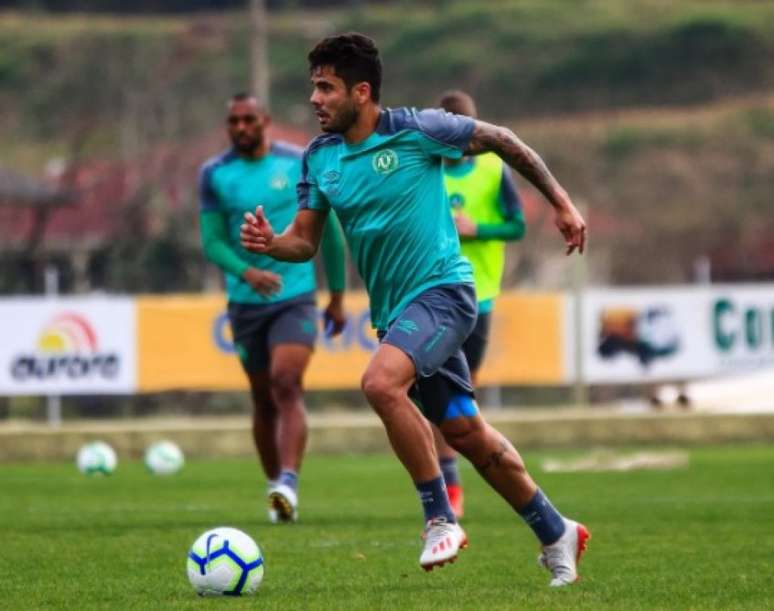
334 260
507 145
299 242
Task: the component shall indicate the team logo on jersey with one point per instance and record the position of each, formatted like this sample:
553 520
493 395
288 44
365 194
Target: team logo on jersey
457 200
385 162
279 182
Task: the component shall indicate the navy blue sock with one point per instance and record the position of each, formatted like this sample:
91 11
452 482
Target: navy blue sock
435 502
543 518
288 478
451 474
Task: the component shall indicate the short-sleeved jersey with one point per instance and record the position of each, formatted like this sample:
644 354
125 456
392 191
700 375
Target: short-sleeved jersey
482 187
233 185
389 196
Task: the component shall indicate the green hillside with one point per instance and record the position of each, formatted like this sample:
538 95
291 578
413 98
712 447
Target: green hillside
520 58
657 114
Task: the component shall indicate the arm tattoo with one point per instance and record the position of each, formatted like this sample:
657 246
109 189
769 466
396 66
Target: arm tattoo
495 458
507 145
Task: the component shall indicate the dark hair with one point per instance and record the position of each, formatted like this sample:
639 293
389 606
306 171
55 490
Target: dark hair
354 58
242 96
458 102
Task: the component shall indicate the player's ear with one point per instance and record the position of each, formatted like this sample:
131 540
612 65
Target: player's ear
362 92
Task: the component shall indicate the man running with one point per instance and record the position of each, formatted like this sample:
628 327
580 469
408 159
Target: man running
271 304
381 170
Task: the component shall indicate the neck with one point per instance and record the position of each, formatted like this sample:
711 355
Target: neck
454 162
365 124
258 152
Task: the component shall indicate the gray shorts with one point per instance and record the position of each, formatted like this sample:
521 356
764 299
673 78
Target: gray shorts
431 331
258 328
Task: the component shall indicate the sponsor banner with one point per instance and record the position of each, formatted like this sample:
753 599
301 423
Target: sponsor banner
67 346
525 341
632 335
185 342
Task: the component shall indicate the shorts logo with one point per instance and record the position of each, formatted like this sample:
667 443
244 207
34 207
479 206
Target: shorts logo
434 340
407 326
385 162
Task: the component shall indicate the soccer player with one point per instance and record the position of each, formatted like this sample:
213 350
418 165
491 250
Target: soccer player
487 212
381 170
271 304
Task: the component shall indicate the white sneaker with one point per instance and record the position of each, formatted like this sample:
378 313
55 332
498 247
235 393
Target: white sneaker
562 558
283 504
443 540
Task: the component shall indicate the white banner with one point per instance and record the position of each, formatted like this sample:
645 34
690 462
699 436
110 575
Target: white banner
661 334
67 346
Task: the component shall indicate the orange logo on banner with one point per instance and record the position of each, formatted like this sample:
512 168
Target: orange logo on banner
185 343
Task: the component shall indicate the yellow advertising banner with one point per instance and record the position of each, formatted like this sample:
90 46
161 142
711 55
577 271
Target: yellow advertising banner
184 342
526 341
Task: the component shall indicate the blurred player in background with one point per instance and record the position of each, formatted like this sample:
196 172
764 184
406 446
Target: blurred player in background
381 171
487 212
271 304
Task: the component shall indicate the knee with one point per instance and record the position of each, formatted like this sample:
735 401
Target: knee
380 391
285 386
263 408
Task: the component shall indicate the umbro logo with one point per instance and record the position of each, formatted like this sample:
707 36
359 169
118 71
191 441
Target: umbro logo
331 176
407 326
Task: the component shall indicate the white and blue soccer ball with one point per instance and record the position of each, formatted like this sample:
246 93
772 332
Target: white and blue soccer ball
164 458
96 458
225 561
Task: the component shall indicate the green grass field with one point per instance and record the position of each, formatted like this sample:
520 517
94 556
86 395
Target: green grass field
693 538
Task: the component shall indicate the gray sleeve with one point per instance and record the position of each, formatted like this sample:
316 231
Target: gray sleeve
447 130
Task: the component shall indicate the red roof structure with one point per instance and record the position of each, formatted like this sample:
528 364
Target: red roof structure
104 190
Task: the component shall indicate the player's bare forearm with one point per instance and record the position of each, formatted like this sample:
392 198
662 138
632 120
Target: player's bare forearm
503 142
297 243
518 155
291 247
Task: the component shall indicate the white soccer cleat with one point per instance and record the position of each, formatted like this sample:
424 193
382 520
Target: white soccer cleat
443 541
562 558
283 504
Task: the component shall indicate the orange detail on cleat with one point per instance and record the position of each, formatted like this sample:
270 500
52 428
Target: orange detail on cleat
456 499
583 536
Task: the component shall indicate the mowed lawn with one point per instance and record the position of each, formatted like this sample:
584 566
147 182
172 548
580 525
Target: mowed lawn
700 537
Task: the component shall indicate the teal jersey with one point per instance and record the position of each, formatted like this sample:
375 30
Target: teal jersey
232 185
388 193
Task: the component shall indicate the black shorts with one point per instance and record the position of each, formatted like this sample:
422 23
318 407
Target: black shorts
258 328
475 346
431 331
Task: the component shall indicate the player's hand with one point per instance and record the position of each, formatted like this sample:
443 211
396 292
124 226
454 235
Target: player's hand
334 316
466 228
572 226
256 233
263 282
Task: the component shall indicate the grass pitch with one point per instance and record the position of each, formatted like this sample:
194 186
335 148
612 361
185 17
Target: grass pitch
699 537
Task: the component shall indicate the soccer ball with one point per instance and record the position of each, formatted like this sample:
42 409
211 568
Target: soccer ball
164 458
96 457
225 561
